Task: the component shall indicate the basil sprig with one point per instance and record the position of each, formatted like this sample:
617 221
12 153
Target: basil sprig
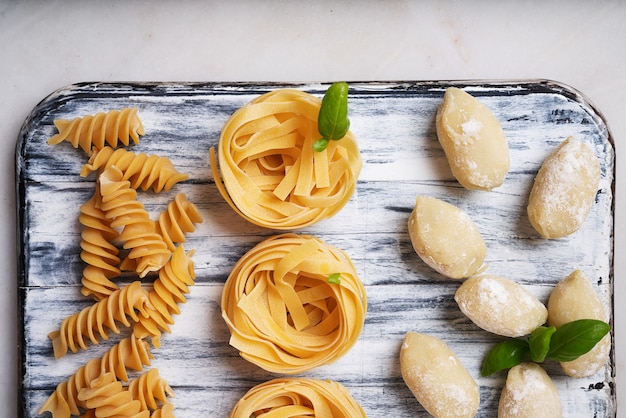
566 343
334 278
332 120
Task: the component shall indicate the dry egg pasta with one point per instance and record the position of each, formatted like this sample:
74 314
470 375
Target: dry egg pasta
500 305
96 131
129 353
298 397
283 312
446 238
575 298
271 175
437 378
473 140
564 190
529 392
143 171
95 321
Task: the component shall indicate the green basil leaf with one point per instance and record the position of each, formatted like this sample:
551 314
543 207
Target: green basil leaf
505 355
573 339
332 121
320 145
539 342
334 278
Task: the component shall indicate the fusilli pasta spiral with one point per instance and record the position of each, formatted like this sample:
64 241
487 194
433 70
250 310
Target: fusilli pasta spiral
142 170
178 219
100 255
298 397
97 319
169 290
128 353
108 397
271 175
150 389
284 312
94 131
120 205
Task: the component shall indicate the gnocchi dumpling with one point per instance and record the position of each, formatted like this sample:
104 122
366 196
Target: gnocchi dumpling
473 140
500 305
529 392
571 299
446 238
437 378
564 189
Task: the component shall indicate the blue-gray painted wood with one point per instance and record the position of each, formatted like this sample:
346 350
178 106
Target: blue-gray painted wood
394 124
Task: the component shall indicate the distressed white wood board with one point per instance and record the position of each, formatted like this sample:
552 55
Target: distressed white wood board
394 125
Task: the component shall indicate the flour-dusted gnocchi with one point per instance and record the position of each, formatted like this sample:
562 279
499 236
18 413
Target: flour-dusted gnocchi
529 392
473 140
500 305
564 190
446 238
575 298
439 381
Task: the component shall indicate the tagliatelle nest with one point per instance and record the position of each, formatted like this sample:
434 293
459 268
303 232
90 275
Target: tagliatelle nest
284 313
268 170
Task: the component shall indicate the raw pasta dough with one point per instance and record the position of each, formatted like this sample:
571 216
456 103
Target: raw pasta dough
575 298
271 174
437 378
500 305
446 238
529 392
473 141
564 190
283 313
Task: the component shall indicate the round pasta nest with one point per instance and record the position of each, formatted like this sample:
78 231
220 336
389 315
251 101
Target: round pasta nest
268 170
300 397
284 313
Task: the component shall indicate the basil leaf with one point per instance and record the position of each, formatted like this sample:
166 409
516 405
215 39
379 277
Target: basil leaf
539 342
573 339
505 355
334 278
320 145
332 120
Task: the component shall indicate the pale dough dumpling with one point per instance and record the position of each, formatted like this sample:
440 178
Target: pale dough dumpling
575 298
473 141
439 381
446 238
529 392
564 190
500 305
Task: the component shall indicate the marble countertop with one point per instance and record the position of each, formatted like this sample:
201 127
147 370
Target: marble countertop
48 45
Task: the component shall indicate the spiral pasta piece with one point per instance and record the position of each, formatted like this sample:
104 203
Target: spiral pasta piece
284 312
169 290
150 389
270 174
108 398
142 170
100 255
96 320
179 218
129 353
94 131
298 397
120 205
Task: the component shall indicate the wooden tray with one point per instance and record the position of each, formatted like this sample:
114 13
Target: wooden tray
394 124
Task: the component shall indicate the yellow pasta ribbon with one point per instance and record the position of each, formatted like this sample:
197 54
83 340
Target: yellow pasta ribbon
295 397
283 313
266 168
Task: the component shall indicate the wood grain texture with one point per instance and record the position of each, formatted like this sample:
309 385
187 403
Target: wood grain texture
394 124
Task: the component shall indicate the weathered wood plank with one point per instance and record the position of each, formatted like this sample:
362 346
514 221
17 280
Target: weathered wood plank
394 123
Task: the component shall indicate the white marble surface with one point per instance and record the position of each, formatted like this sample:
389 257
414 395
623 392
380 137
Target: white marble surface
46 45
